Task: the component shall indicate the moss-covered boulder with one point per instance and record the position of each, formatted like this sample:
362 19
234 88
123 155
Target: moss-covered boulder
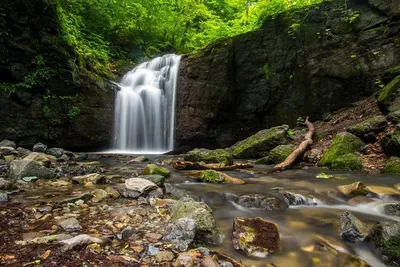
152 169
201 214
255 236
260 144
343 144
210 176
277 155
368 129
347 162
209 156
391 144
352 229
392 165
385 236
389 100
394 117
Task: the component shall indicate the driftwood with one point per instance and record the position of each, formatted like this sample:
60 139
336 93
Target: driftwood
188 165
299 150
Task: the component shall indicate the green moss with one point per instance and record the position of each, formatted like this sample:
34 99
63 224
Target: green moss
154 169
266 71
388 91
209 156
277 155
260 144
210 176
347 162
392 166
373 124
344 143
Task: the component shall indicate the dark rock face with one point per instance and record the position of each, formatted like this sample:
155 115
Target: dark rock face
352 229
240 85
43 112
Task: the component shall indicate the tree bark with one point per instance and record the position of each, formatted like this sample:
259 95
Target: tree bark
299 150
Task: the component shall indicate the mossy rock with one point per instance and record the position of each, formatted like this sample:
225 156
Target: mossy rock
209 156
210 176
260 144
152 169
277 155
391 73
344 143
368 129
394 117
388 95
347 162
392 166
391 144
354 189
385 236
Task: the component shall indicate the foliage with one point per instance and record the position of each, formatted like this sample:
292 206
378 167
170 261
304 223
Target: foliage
266 71
41 74
300 120
74 112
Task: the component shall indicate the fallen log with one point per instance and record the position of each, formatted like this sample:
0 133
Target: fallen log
188 165
290 160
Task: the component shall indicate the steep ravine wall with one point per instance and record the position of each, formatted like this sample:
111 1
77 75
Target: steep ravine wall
302 63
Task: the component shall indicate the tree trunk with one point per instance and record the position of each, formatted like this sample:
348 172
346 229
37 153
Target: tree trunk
299 150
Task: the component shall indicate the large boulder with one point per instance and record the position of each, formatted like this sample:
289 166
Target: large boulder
201 214
354 189
392 166
389 100
209 156
260 144
93 178
391 143
156 179
8 143
344 143
368 129
56 152
385 236
258 201
352 229
135 187
181 233
28 168
152 169
391 209
277 155
39 157
255 236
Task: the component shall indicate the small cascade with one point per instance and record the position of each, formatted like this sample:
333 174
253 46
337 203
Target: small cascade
145 107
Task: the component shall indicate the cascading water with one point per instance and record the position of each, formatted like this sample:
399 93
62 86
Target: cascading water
145 107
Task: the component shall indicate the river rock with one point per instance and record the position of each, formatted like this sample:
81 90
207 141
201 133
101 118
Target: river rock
7 150
70 225
156 179
23 151
352 229
258 201
255 236
112 192
388 98
391 144
99 195
3 197
277 155
384 192
84 179
56 152
368 129
152 169
344 143
354 189
260 144
140 185
164 256
39 147
79 240
350 161
41 158
209 156
171 191
6 184
391 209
139 159
201 214
293 199
8 143
385 236
392 166
394 117
26 168
181 233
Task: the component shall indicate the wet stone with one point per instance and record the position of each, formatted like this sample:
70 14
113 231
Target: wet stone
164 256
70 225
3 197
352 229
181 233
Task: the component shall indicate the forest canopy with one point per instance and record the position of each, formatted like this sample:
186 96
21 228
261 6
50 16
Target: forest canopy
101 30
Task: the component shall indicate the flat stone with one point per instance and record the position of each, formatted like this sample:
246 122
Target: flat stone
354 189
25 168
139 185
70 225
84 179
164 256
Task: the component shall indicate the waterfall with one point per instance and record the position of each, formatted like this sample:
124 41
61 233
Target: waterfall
145 107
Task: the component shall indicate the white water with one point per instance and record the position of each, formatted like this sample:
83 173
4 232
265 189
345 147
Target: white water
145 107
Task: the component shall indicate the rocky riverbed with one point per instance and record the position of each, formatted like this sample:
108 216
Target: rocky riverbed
60 208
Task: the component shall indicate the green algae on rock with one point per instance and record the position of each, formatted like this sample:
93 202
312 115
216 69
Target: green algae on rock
368 129
347 162
392 165
261 143
277 155
344 143
209 156
152 169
